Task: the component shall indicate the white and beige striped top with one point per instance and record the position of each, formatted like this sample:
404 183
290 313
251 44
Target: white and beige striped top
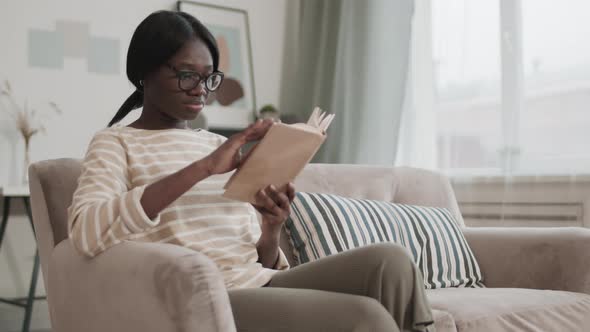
122 161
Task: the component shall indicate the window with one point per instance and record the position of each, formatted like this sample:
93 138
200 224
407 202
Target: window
555 120
512 86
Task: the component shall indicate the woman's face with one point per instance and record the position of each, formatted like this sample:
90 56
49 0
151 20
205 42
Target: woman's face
161 89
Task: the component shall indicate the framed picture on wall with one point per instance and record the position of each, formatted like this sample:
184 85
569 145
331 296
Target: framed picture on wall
233 105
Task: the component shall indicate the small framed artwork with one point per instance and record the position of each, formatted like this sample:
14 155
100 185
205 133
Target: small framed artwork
233 105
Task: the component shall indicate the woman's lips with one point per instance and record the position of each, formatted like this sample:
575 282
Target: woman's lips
197 107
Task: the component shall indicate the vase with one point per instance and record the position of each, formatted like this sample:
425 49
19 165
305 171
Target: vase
27 160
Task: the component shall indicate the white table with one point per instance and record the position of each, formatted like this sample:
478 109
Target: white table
15 191
21 192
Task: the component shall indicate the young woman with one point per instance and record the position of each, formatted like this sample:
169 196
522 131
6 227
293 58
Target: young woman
156 180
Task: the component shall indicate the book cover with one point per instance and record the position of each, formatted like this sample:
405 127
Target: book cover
279 157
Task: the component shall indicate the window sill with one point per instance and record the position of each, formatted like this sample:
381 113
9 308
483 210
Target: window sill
521 178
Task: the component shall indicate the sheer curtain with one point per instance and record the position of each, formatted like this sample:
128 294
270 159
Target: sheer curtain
350 58
497 80
498 100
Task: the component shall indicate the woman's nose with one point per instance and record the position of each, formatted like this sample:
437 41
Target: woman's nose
198 90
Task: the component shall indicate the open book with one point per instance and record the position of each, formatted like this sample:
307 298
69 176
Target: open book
279 157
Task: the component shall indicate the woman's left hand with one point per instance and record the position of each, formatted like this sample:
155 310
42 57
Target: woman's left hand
275 206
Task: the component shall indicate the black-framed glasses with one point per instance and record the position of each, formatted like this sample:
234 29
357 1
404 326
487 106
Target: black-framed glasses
188 79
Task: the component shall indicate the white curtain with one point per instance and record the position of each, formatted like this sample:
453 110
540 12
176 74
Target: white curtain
495 90
350 58
417 138
498 99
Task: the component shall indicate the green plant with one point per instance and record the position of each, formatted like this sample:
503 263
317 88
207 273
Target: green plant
269 111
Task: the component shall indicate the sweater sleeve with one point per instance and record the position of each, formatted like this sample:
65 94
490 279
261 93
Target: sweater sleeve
105 210
282 262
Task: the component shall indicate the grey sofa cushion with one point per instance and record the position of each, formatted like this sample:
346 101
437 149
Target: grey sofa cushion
512 309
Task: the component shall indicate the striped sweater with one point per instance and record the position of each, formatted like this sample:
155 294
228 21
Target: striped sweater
106 210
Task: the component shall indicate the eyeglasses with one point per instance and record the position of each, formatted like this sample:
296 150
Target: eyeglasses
188 79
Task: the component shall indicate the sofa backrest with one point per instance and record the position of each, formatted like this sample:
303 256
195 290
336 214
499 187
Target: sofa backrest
403 185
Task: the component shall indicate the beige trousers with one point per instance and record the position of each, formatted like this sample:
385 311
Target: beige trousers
375 288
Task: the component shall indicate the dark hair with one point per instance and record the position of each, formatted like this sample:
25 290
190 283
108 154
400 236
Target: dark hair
155 40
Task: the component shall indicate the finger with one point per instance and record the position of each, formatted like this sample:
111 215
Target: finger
281 200
254 132
265 201
236 141
253 127
261 209
285 205
244 134
278 196
275 195
259 129
238 157
247 154
272 192
291 191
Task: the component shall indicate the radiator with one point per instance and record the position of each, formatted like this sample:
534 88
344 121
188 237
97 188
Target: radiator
533 214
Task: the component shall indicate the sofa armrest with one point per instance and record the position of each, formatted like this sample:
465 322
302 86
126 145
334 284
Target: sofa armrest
540 258
137 287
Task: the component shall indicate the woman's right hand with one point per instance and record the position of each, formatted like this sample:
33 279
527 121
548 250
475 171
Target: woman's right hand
227 156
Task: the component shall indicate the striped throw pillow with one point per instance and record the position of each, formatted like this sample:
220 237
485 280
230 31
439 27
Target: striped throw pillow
321 225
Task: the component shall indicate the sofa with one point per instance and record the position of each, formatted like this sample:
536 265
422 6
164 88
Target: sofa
536 279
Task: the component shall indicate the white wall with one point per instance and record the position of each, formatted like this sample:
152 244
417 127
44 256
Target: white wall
87 108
